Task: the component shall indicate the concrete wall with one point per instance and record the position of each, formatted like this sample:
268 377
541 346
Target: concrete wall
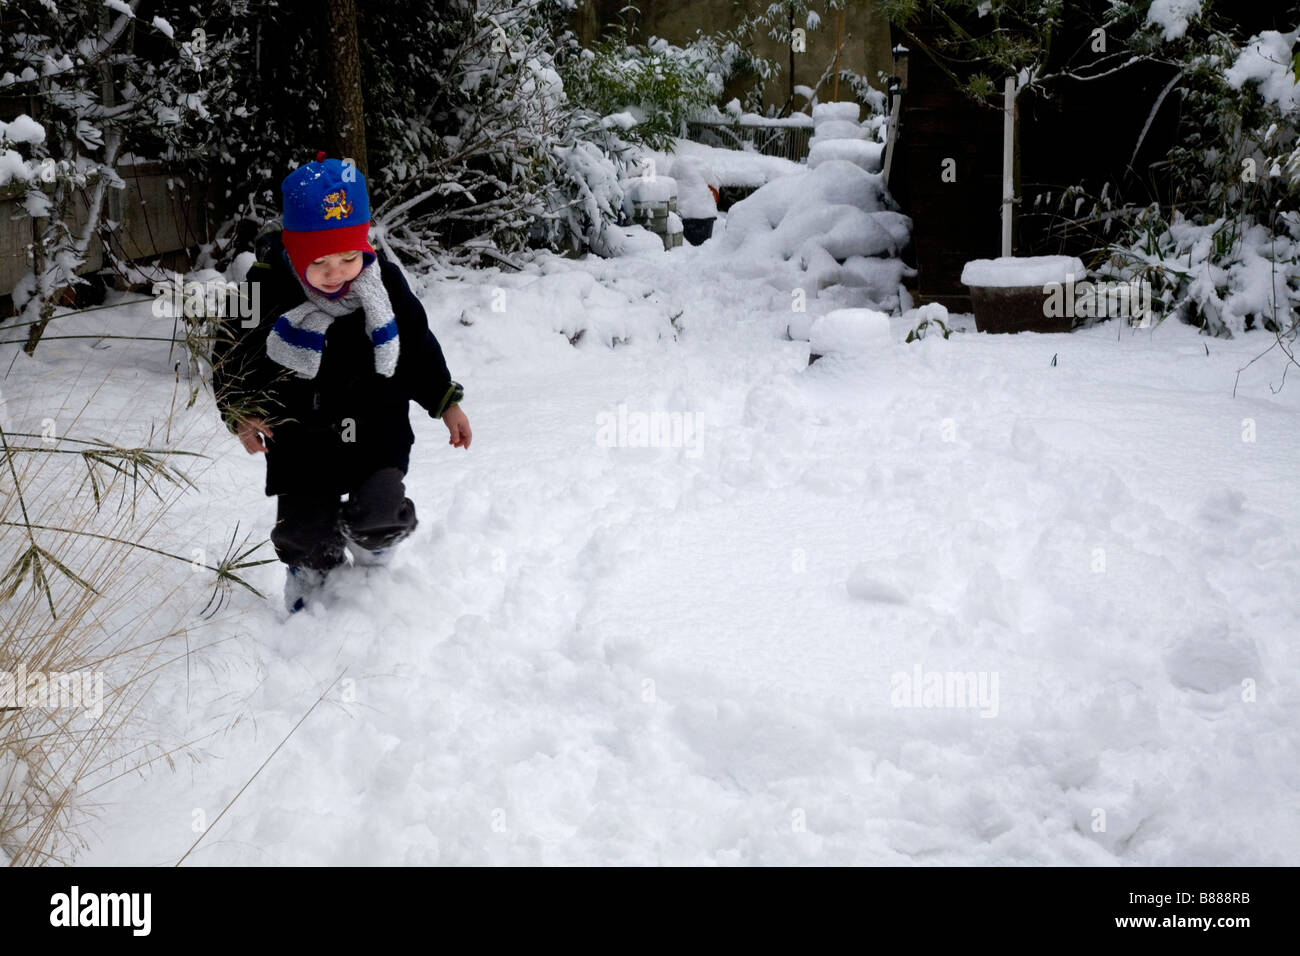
865 50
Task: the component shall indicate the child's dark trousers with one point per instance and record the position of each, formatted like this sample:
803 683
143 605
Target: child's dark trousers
312 529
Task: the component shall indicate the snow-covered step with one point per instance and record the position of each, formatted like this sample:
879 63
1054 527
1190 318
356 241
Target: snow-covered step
839 129
835 112
860 152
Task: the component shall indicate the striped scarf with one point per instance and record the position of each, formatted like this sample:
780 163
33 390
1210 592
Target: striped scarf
298 336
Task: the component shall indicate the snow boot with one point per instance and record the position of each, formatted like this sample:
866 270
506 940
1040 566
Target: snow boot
301 586
376 518
363 557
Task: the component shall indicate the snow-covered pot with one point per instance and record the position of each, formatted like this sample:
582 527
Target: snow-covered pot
696 201
697 231
1011 294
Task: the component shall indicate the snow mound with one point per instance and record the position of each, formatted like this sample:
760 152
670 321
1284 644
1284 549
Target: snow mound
633 240
581 308
850 332
830 226
1009 272
833 183
857 151
842 231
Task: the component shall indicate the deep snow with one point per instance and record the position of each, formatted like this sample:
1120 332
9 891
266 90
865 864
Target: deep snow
595 654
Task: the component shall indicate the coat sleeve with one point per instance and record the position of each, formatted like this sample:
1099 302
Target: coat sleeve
243 377
425 369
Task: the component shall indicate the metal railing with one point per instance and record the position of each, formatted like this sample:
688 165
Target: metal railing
790 142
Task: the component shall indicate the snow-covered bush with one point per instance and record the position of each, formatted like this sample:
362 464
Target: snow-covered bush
1218 243
930 320
1223 252
1231 274
104 84
463 118
647 91
477 144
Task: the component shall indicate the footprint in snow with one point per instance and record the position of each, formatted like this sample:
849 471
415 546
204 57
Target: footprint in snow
867 583
1211 663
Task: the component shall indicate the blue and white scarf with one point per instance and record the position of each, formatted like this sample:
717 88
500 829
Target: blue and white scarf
298 336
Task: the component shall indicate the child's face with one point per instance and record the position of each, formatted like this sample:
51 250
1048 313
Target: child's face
328 273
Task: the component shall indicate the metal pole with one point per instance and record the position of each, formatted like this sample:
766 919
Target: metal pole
1008 159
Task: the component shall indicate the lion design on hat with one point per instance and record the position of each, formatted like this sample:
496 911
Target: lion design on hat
336 205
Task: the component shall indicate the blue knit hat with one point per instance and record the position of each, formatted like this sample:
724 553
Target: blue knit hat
326 210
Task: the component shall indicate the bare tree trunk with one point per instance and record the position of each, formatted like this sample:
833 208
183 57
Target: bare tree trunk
346 135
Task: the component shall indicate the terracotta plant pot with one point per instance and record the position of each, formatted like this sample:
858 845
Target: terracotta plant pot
1014 309
1012 294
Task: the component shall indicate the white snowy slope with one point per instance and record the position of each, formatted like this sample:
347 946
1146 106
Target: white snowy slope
692 655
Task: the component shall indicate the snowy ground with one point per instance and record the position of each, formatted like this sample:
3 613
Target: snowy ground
592 654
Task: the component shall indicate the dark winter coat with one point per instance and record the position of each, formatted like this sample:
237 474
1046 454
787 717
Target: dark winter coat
312 419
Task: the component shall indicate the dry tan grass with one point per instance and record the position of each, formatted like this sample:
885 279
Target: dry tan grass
84 588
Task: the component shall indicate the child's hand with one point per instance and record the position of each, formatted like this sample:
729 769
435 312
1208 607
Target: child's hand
250 431
457 423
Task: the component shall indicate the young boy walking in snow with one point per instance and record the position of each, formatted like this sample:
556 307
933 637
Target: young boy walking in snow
322 385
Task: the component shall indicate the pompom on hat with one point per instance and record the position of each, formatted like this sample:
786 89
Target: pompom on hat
326 210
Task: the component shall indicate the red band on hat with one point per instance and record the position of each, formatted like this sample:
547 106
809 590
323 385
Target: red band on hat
306 247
